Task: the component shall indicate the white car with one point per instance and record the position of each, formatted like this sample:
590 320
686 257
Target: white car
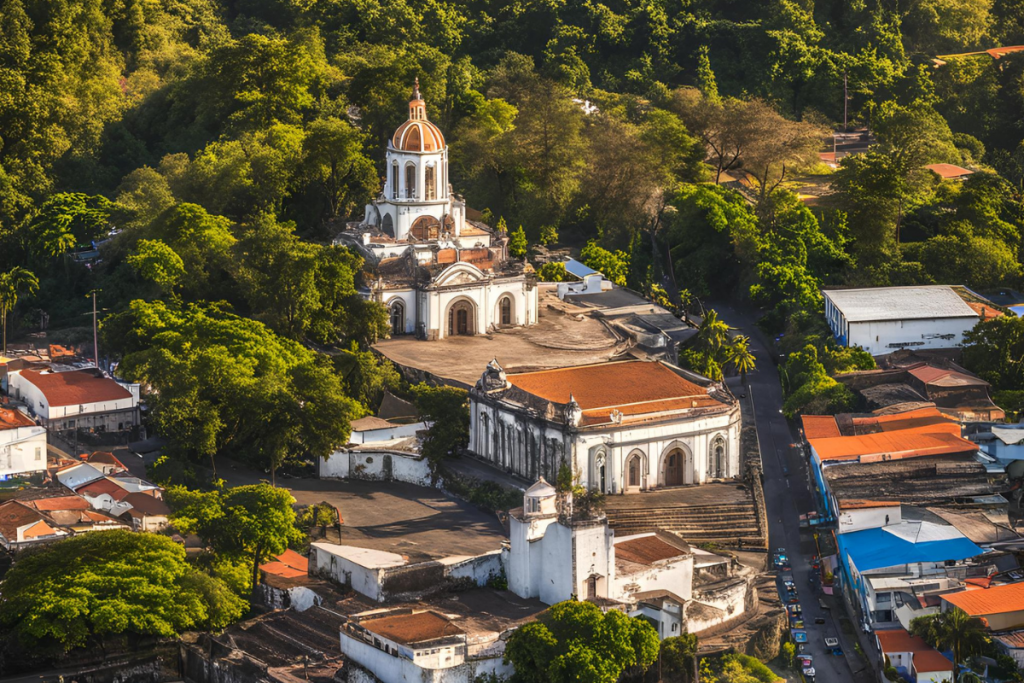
831 642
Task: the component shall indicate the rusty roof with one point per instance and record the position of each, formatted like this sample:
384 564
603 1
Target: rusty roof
994 600
899 640
931 660
949 170
12 419
106 458
75 387
647 550
14 514
820 426
288 564
410 629
52 504
890 446
632 387
104 485
861 504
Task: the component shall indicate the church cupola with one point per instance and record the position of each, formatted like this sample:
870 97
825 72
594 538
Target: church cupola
417 107
418 134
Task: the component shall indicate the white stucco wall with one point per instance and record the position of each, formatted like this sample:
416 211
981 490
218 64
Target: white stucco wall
31 395
22 450
370 466
391 668
387 434
883 337
367 580
477 569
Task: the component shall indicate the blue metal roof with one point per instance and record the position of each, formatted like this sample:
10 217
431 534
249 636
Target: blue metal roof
578 269
877 548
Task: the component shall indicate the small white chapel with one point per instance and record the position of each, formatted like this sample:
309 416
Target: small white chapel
438 273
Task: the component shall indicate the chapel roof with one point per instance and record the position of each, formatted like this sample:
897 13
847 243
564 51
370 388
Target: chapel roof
418 134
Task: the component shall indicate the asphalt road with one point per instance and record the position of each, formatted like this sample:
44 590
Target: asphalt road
787 496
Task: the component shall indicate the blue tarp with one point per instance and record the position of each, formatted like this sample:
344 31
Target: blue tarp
876 549
578 269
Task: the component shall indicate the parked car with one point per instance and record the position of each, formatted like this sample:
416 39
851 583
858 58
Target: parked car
831 642
800 636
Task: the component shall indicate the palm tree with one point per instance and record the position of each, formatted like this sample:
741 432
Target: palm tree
953 630
16 281
740 356
713 333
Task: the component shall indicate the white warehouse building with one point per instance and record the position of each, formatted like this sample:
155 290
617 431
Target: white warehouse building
882 320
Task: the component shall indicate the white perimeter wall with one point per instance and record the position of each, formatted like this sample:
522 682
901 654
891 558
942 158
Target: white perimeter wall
344 571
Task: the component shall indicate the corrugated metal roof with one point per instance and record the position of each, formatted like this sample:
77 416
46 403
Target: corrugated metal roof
994 600
578 269
899 303
900 544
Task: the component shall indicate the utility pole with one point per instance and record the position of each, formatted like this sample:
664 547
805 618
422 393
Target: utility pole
846 102
95 334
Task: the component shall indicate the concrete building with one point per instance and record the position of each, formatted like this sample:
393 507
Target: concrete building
77 399
1001 606
22 444
623 427
380 450
881 320
439 274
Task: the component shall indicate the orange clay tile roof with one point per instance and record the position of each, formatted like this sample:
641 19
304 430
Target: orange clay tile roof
14 514
820 426
923 420
995 600
412 628
12 419
986 311
288 565
105 458
646 550
854 504
931 660
899 640
949 170
75 387
892 445
633 387
59 503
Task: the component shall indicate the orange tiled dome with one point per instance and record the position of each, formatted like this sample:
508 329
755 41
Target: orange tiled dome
418 134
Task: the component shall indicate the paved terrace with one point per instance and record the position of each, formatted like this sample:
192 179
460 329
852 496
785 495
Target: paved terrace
414 521
564 335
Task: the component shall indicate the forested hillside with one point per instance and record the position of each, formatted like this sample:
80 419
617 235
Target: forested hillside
225 143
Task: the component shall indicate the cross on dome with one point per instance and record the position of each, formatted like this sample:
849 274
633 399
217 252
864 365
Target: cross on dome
418 134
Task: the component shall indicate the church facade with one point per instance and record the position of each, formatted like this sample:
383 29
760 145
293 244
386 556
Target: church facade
623 427
438 273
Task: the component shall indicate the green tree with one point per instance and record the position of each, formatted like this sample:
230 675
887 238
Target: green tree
446 410
202 241
517 243
953 630
575 641
994 350
741 358
155 261
253 522
88 588
553 272
706 82
13 283
679 658
220 383
340 175
614 265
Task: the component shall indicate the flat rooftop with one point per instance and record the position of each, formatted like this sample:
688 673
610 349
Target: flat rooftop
565 335
900 303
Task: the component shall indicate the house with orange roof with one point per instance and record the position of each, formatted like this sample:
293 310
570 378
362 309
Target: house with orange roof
22 444
625 426
912 657
77 399
1001 606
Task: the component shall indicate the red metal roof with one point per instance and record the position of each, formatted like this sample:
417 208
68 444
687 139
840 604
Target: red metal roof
289 565
12 419
820 426
949 170
59 503
890 446
75 387
104 485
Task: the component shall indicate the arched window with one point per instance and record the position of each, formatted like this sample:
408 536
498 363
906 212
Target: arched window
397 317
430 183
388 225
633 472
505 307
410 181
719 465
394 181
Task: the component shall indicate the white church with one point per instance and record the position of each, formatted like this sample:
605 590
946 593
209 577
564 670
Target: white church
623 427
438 273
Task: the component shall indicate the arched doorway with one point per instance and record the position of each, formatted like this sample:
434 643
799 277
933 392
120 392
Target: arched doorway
674 468
461 318
388 225
634 472
425 228
397 317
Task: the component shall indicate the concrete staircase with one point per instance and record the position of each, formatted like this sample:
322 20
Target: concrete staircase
723 525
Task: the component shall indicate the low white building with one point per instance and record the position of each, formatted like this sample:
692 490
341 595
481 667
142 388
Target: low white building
882 320
22 444
77 399
555 556
623 427
379 450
